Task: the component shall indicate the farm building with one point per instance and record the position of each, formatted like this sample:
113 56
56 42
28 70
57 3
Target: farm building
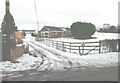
51 32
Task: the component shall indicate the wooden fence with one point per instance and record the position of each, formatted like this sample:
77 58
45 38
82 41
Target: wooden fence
18 51
82 48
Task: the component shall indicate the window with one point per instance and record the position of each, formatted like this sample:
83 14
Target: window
46 33
55 33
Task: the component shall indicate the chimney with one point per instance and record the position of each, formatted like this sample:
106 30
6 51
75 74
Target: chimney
7 6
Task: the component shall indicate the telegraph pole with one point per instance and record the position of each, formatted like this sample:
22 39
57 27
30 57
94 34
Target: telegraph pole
37 38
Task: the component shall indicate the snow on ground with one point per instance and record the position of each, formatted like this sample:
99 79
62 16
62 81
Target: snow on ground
78 42
102 36
27 61
28 37
91 59
97 36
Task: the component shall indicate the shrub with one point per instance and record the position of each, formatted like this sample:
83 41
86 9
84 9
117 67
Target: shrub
82 30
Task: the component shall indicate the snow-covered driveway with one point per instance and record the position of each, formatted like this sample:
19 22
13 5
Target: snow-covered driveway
97 60
50 56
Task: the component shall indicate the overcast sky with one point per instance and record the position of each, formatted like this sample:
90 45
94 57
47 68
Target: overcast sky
61 13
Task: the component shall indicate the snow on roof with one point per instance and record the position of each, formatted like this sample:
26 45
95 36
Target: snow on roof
51 28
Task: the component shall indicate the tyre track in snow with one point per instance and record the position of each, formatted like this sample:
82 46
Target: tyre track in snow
47 63
69 61
52 62
44 65
16 74
63 60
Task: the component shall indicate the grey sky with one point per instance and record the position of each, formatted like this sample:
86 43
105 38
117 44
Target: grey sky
61 12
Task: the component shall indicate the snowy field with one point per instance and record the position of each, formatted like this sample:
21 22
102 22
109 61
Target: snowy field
96 37
102 36
29 62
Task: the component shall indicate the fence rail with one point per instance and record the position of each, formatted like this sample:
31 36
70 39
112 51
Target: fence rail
82 48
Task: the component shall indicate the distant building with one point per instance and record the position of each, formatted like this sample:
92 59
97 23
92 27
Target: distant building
67 32
106 25
51 32
28 31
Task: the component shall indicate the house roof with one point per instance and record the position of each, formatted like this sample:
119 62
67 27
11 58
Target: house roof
51 28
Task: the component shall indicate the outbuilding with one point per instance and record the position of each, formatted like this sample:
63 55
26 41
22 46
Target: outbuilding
51 32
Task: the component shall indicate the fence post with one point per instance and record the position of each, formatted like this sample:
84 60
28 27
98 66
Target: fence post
63 46
79 50
100 46
46 41
49 42
83 44
57 45
52 43
118 45
70 46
